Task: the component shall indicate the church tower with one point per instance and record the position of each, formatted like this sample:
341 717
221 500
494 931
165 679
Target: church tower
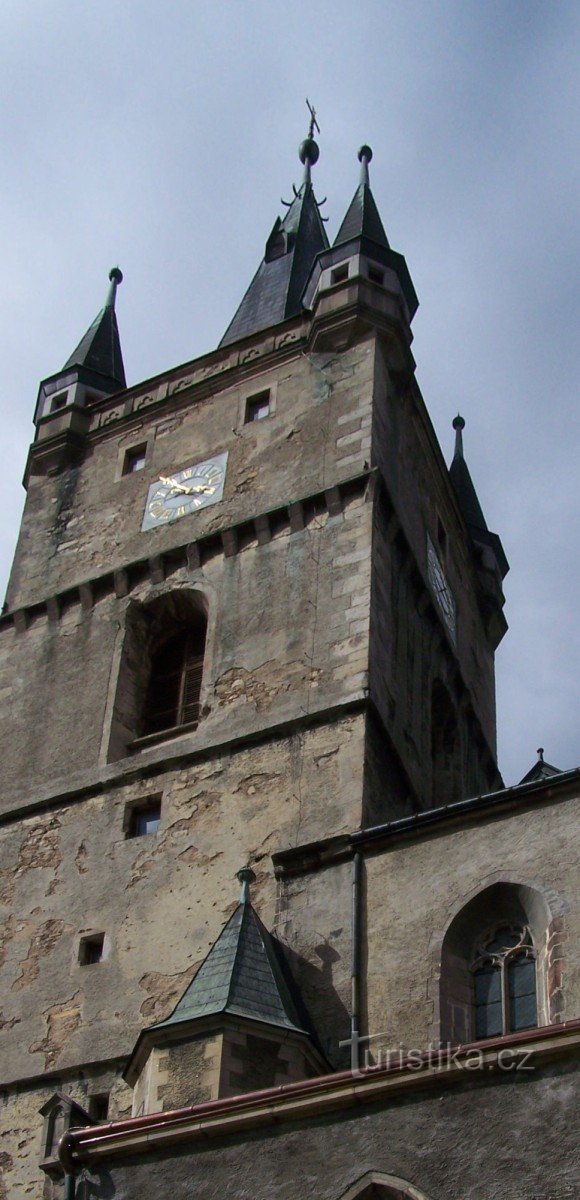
252 619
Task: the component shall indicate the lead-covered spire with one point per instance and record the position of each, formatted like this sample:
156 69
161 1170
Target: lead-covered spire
100 348
275 293
468 502
362 219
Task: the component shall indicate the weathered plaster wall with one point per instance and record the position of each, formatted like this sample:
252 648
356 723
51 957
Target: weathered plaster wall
414 890
161 899
288 634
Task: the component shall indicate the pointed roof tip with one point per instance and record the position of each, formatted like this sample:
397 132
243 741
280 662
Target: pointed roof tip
241 975
364 156
115 277
362 219
458 425
99 349
246 877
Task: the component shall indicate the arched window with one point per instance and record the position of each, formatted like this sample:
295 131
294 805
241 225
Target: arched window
175 680
160 670
497 966
504 979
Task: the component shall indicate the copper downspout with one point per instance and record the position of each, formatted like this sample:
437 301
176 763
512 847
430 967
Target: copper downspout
326 1083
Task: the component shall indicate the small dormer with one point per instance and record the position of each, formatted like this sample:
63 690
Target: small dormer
60 1113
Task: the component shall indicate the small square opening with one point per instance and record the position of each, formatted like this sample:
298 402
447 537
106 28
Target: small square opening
339 274
375 275
134 459
143 819
98 1108
58 402
91 949
257 407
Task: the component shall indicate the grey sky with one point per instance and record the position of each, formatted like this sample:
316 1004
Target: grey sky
162 135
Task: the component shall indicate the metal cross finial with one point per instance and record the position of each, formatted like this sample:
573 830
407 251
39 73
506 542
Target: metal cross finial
313 122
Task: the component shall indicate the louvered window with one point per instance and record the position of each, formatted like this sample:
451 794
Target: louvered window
175 682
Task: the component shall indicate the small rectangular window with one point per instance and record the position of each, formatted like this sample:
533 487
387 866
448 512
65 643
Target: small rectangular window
375 275
143 819
257 407
91 949
134 459
58 402
339 274
98 1108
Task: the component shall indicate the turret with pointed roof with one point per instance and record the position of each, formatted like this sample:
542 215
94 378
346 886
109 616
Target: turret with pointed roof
242 1004
99 350
94 369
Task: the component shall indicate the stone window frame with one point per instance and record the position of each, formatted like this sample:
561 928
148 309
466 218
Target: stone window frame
376 1185
140 806
126 699
136 441
257 388
547 909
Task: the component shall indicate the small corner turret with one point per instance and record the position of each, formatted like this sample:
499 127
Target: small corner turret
361 270
94 370
491 562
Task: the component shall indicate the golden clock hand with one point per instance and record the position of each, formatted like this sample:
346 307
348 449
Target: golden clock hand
180 487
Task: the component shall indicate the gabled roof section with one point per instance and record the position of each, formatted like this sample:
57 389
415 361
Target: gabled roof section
242 975
362 218
100 348
540 770
275 292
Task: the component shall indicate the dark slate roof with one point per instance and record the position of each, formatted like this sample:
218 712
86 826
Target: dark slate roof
100 348
362 220
540 770
242 975
466 494
275 292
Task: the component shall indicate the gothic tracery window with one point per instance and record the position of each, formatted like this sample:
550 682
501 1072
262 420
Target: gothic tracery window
504 978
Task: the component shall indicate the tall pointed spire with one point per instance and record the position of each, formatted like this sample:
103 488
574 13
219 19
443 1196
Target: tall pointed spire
362 218
468 501
463 483
100 348
275 292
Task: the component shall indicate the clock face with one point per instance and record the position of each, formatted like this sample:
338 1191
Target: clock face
180 493
443 594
